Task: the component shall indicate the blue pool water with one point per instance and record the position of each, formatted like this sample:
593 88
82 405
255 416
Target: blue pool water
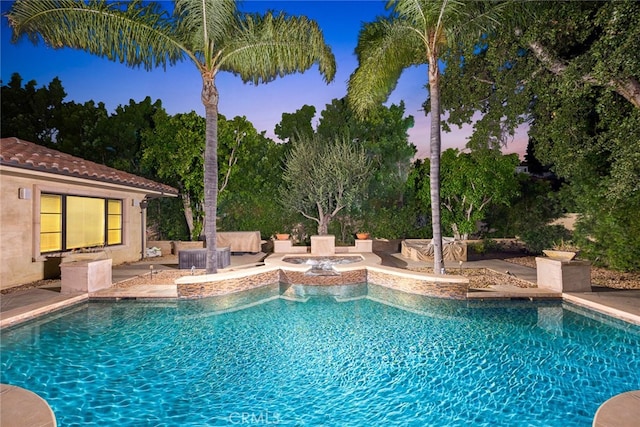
324 363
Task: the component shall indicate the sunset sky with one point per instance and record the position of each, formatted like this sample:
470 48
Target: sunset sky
86 77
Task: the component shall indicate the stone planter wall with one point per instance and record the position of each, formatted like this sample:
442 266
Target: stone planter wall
286 247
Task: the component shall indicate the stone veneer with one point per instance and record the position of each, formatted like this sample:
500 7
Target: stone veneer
350 277
451 287
227 285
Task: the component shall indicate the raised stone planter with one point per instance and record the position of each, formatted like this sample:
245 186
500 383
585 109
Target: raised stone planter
563 276
282 246
85 276
287 247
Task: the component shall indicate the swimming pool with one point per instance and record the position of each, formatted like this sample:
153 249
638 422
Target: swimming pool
388 359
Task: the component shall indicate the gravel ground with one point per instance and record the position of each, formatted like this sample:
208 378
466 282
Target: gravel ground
483 278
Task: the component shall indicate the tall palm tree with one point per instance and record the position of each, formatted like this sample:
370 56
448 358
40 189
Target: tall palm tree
213 34
417 32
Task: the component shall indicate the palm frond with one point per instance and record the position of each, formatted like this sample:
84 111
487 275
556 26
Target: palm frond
132 33
427 13
264 47
204 24
456 21
385 48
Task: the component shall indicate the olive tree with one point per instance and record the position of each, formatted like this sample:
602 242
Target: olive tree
323 177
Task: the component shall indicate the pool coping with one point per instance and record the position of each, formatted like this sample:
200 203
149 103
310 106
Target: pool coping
45 302
20 407
622 410
591 301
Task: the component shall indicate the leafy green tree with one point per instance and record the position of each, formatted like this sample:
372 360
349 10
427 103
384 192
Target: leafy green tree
174 151
249 161
536 204
384 138
82 131
417 180
383 135
296 124
321 178
214 35
417 32
473 182
29 113
572 72
123 133
165 219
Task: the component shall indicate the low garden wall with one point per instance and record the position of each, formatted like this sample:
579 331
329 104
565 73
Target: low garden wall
165 246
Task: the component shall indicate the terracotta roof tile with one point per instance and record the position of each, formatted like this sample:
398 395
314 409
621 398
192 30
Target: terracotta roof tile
27 155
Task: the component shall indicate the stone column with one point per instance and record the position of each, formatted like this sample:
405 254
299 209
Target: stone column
323 245
563 276
282 246
363 245
85 276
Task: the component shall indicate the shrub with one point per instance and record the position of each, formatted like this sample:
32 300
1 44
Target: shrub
537 239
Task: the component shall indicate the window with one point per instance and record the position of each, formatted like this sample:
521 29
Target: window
114 222
85 222
75 222
50 223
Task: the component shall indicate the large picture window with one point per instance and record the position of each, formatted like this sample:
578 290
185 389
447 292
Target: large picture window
76 222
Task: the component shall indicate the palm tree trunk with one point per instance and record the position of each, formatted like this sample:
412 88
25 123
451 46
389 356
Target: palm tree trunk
434 178
210 101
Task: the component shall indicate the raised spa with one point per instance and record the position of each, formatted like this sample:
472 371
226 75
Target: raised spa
324 261
323 266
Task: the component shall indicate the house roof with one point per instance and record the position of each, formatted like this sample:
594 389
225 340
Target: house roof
27 155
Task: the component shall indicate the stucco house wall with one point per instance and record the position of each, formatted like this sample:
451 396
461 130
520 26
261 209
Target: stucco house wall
26 171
